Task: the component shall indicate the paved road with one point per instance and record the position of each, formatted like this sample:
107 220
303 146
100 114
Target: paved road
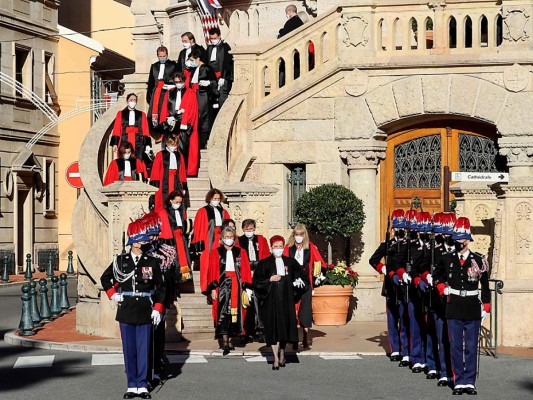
36 374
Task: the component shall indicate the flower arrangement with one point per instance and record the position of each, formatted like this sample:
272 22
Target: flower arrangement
339 274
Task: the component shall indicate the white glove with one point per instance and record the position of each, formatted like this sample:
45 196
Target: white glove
181 111
446 291
156 317
171 120
384 270
221 82
429 278
250 294
117 297
204 83
168 87
483 316
147 149
319 279
298 283
406 278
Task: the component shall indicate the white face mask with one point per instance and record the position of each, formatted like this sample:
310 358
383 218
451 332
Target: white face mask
193 64
277 252
187 45
188 64
176 206
298 239
127 156
228 242
215 203
249 235
132 104
172 149
180 85
163 60
215 41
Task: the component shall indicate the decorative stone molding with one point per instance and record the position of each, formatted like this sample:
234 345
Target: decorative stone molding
364 155
516 78
355 30
357 83
516 24
518 150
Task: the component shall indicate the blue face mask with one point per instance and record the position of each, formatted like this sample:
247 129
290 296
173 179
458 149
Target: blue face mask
193 64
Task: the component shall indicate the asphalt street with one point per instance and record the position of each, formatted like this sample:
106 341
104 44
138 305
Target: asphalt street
36 374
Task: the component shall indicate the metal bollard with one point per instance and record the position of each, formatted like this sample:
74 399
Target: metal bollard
5 272
63 301
70 267
35 315
46 315
50 269
26 323
28 275
55 309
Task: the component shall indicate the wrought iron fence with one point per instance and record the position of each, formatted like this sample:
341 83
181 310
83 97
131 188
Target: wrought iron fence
489 336
43 259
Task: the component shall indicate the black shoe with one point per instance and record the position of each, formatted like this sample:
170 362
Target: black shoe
431 375
471 391
145 395
275 368
395 358
403 364
282 365
442 383
245 340
259 338
457 392
130 395
417 370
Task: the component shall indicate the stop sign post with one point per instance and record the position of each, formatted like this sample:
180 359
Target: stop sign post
72 175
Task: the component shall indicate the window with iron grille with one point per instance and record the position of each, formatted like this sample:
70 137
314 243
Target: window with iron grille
417 163
477 154
44 257
297 184
9 257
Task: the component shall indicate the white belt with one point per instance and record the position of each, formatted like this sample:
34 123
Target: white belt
463 293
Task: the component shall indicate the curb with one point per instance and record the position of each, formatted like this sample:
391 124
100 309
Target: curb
20 283
13 339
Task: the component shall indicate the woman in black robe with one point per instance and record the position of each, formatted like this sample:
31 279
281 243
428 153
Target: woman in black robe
275 280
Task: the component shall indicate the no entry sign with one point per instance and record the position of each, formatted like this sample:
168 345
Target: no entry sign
72 175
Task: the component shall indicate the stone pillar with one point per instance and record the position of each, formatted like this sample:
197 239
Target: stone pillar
513 249
126 201
362 160
247 200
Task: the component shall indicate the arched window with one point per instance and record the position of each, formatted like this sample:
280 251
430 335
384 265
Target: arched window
452 33
325 47
296 60
414 34
382 36
311 56
499 30
429 33
397 32
266 81
281 72
484 31
468 32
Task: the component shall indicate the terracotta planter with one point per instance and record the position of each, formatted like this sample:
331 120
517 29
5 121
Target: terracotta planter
330 304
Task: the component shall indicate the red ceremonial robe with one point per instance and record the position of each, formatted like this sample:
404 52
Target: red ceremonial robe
262 249
138 135
174 234
229 287
115 172
166 179
205 231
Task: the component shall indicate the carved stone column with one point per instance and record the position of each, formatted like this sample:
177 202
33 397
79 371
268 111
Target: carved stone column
362 160
513 248
126 201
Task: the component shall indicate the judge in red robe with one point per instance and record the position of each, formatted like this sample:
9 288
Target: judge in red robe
306 253
175 230
229 276
160 79
207 227
183 118
168 172
126 167
131 125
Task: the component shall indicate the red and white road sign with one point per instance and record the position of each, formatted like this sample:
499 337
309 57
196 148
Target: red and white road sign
72 175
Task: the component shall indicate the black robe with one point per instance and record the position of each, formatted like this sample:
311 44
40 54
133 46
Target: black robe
207 96
180 62
170 69
276 300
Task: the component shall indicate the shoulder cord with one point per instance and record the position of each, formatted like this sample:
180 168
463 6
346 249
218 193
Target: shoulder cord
120 276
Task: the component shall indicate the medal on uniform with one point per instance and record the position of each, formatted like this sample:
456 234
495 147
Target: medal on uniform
147 273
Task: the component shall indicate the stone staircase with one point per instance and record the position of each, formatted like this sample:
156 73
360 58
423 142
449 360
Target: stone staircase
197 322
198 187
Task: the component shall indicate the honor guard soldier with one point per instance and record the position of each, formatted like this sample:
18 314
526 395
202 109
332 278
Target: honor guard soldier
134 282
458 276
390 251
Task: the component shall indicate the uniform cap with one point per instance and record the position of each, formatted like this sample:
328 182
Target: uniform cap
461 230
398 219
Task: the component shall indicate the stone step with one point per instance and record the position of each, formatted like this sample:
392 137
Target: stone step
192 298
198 318
198 334
189 325
186 312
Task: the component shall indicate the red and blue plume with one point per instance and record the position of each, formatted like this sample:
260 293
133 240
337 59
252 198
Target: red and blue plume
437 222
398 219
461 229
410 219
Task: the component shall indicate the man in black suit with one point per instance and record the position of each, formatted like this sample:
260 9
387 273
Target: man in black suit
189 44
293 21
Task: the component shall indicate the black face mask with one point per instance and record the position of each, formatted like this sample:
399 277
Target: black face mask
146 247
400 234
413 235
459 246
449 241
439 239
424 237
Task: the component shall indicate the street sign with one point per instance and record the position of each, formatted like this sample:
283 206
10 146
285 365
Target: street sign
72 175
480 176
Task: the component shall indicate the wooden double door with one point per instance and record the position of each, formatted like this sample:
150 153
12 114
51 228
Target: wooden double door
416 160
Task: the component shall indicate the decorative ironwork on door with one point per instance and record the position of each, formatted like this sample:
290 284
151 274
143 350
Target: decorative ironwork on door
297 185
477 154
417 163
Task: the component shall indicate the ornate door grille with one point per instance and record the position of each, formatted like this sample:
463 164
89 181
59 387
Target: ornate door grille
477 154
417 163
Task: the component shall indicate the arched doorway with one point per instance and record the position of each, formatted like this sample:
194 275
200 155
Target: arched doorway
416 159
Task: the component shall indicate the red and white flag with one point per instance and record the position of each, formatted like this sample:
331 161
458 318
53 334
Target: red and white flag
208 16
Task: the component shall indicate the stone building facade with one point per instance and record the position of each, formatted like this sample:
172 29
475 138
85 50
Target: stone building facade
28 173
389 96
